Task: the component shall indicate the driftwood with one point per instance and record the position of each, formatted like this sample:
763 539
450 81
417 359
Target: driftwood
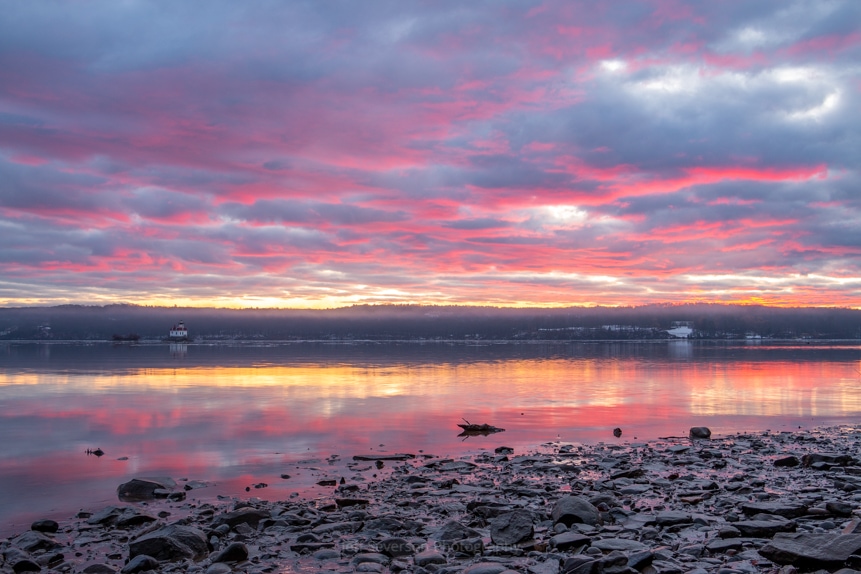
470 429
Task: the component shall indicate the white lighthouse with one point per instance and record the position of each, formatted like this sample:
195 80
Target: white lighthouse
178 332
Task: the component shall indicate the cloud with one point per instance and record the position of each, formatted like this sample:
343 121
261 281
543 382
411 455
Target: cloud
546 152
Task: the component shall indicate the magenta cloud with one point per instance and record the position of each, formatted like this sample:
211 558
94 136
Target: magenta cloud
320 154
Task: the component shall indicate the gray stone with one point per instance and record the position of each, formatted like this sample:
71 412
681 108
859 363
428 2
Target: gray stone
511 528
578 563
219 568
575 509
622 544
568 540
383 524
842 509
234 552
812 551
468 546
764 528
452 531
485 568
173 542
396 547
106 516
672 517
785 509
25 565
700 432
787 461
374 557
333 527
138 489
428 557
140 563
99 568
250 516
46 526
327 554
33 541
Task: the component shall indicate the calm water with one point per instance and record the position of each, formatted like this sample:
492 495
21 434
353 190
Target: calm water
236 415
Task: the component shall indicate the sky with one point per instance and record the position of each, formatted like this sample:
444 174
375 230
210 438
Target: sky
525 153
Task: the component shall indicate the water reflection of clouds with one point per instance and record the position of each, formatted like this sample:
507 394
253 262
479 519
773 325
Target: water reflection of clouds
251 418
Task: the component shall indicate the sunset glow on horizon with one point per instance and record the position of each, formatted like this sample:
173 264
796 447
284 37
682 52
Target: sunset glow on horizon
518 154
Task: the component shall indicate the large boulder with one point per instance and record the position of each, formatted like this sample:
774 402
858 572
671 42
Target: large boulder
575 510
512 528
173 542
138 489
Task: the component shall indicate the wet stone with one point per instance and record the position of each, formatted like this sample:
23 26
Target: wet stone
45 526
575 509
99 568
234 552
428 557
140 563
511 528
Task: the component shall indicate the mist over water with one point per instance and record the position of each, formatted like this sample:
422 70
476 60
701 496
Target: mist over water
240 414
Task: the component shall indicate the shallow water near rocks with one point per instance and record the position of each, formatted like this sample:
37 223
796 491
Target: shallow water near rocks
235 418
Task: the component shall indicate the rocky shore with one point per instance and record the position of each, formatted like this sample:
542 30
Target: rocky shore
747 503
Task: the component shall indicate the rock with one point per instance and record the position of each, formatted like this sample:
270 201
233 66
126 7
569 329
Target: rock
828 460
700 432
787 461
346 502
574 509
569 540
376 457
787 510
511 528
106 516
33 541
248 515
396 547
672 517
138 489
617 432
47 526
453 531
171 543
234 552
428 557
468 546
132 519
841 509
25 565
578 563
485 568
326 554
812 551
621 544
219 568
140 563
384 524
764 528
99 568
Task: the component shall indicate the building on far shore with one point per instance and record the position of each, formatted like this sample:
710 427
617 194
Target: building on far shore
178 332
682 329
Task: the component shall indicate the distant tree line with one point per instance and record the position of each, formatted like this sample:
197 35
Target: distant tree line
412 322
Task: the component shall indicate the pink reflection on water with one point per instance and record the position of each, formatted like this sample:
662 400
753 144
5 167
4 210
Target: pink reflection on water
234 426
